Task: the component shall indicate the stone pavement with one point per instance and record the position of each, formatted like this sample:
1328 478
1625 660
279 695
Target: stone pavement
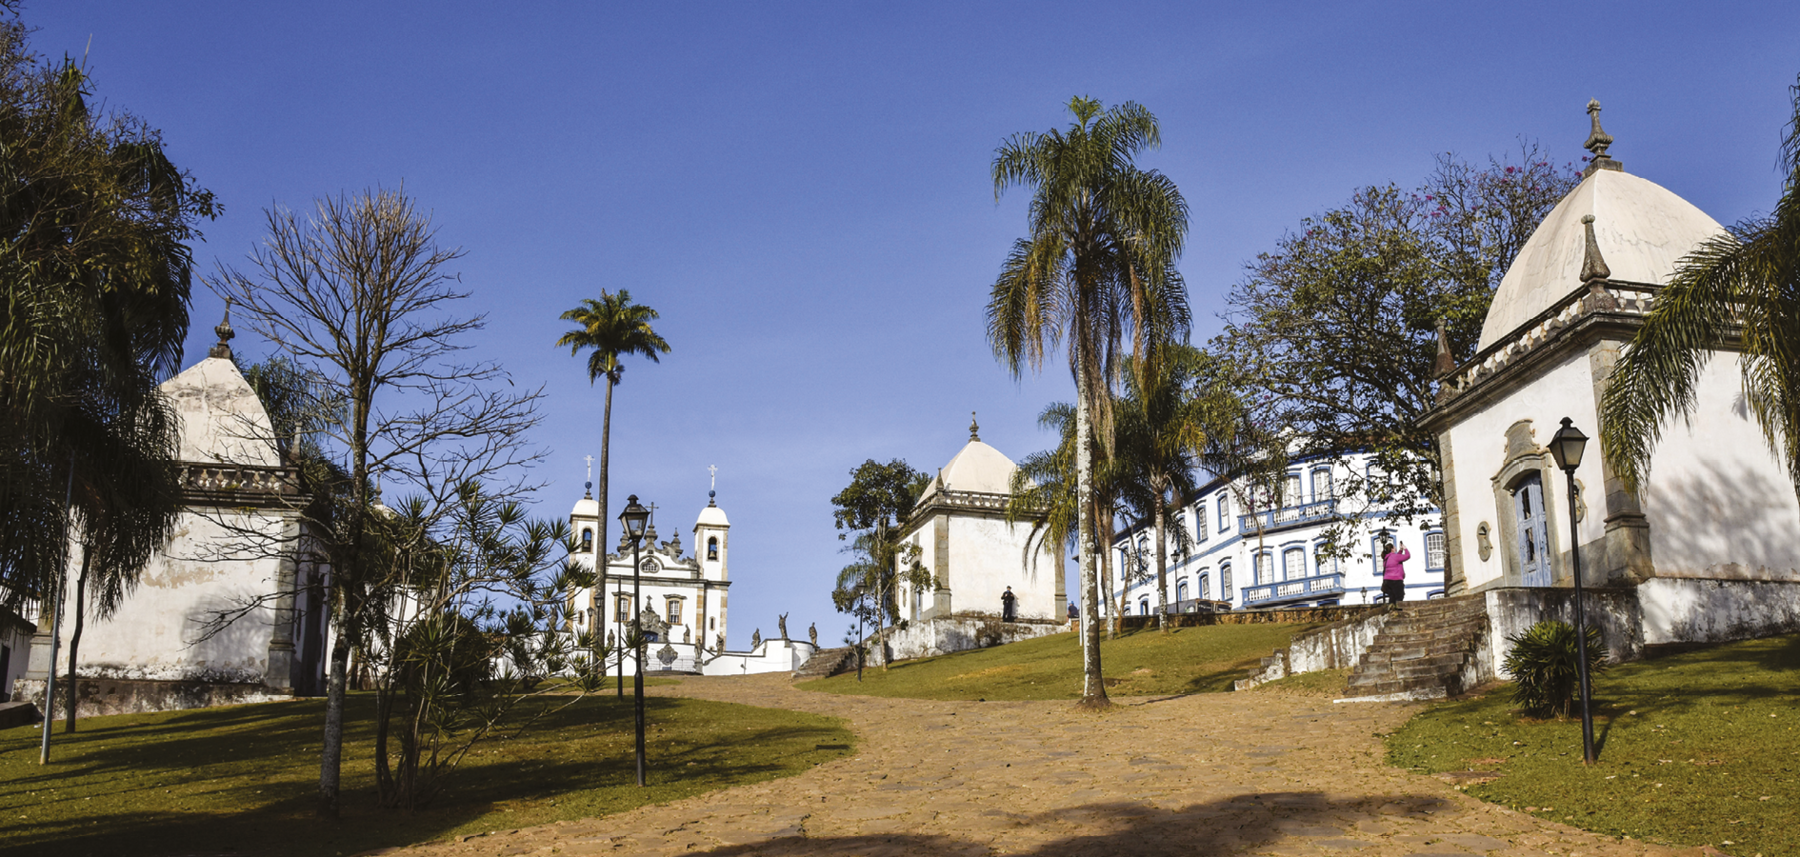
1208 774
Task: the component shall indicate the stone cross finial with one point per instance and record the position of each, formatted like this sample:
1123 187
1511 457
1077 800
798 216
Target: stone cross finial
712 491
1598 139
588 489
974 429
223 349
1597 142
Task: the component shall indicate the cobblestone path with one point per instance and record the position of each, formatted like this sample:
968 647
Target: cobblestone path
1208 774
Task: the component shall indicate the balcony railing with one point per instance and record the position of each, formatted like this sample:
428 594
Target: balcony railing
1287 516
1317 586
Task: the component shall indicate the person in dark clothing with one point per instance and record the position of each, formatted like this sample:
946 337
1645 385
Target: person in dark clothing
1009 606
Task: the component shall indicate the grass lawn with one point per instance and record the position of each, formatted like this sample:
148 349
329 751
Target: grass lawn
1186 660
244 779
1696 749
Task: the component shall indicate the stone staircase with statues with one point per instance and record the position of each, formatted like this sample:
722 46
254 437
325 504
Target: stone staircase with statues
826 663
1425 650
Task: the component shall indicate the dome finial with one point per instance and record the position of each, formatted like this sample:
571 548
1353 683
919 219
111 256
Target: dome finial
223 349
1593 265
974 428
1597 142
1445 364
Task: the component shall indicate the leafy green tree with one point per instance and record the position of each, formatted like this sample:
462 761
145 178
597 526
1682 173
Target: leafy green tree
96 224
1737 292
1097 268
877 492
1336 328
877 495
610 329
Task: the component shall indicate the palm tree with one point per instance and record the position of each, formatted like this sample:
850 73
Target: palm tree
98 272
1098 266
611 328
1043 491
1740 290
1175 418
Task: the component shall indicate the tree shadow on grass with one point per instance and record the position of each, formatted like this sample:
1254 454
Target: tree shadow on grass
108 808
1108 829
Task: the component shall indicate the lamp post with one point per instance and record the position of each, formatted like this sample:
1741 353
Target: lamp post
1566 446
634 518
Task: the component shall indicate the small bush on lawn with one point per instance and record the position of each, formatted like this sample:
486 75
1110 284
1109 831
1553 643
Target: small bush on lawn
1543 663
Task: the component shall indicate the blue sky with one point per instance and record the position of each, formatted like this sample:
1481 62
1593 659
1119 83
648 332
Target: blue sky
802 190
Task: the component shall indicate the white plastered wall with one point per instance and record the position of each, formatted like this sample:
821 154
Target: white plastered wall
1718 501
987 555
1478 447
156 634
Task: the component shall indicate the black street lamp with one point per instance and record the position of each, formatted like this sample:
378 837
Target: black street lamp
634 517
1566 446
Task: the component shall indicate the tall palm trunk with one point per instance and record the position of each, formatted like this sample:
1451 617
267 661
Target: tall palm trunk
597 602
1162 564
75 638
1093 690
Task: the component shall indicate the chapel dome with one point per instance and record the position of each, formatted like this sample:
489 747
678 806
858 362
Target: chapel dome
586 507
979 467
222 419
712 516
1641 228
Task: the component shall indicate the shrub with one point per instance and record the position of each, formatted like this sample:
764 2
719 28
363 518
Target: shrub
1543 666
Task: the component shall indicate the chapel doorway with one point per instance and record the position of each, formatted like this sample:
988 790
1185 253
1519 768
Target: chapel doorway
1532 529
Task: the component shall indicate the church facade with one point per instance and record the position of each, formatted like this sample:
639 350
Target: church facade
1709 548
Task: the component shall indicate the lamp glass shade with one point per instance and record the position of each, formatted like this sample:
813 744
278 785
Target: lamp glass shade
634 518
1567 445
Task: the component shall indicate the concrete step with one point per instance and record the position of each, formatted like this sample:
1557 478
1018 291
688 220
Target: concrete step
825 663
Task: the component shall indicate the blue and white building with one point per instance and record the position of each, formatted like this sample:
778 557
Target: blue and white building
1246 552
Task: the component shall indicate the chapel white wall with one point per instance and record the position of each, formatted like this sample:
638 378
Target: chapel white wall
1478 446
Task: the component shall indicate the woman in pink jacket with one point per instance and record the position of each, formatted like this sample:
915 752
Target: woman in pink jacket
1393 573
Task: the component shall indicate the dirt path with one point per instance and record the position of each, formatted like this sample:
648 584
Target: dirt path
1209 774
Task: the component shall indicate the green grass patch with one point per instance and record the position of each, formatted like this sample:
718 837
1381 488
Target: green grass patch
244 779
1323 684
1146 662
1695 749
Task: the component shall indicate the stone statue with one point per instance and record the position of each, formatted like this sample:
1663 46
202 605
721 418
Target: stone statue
687 634
755 639
813 632
782 622
719 642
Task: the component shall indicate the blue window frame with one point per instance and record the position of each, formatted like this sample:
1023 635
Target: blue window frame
1200 523
1225 591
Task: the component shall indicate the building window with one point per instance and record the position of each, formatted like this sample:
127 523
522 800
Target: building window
587 540
1321 479
624 609
1205 586
674 605
1181 590
1265 568
1200 523
1290 491
1434 551
1143 606
1225 590
712 623
1224 504
1293 564
1327 564
712 548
